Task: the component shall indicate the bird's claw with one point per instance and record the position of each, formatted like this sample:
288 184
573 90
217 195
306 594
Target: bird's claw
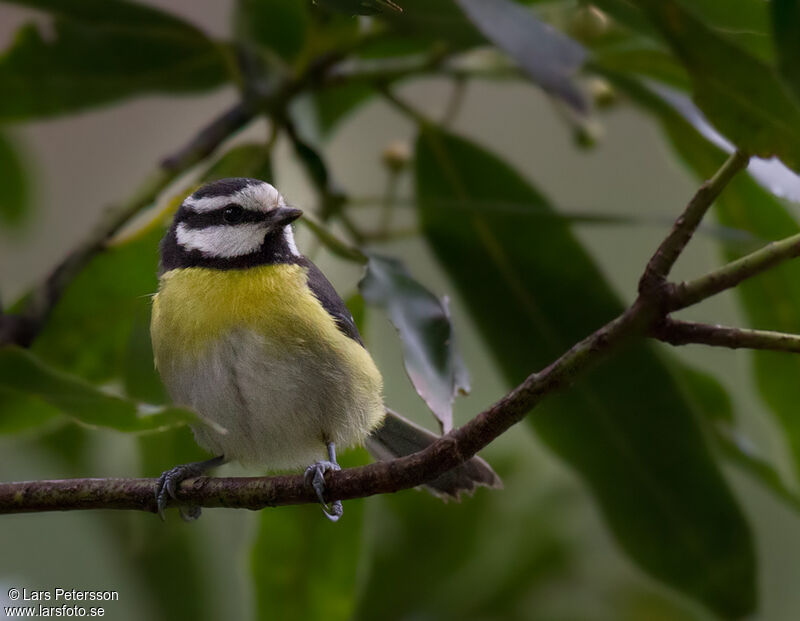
315 477
167 487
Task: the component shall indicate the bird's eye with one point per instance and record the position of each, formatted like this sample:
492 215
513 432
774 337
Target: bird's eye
233 214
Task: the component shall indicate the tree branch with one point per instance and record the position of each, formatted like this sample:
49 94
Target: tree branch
689 293
676 332
670 249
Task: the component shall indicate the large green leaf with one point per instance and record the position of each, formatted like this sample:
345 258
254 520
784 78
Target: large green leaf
20 411
21 373
771 300
15 195
334 104
741 95
277 25
101 51
550 58
90 328
434 20
533 292
744 22
431 356
715 404
645 60
786 31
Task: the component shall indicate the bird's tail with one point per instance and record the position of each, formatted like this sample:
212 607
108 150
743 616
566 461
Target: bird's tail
398 437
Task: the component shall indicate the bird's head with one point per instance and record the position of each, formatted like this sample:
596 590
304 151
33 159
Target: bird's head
231 223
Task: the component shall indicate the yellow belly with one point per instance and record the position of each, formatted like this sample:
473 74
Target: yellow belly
254 352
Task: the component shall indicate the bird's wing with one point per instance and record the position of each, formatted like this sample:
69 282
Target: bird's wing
330 300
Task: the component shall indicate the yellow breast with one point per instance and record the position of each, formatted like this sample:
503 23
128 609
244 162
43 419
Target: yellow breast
196 306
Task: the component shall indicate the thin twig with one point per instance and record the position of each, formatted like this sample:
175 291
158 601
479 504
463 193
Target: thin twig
689 293
670 249
677 332
405 108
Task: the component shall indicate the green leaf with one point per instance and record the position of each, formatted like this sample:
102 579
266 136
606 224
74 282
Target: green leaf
771 301
647 61
625 428
21 412
431 357
140 378
434 20
786 32
102 51
15 196
746 22
334 104
550 58
280 26
740 94
90 328
716 406
21 372
305 567
743 22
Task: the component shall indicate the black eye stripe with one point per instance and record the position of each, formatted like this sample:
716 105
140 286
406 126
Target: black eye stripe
200 220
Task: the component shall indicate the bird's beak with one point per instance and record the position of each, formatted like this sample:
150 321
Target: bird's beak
283 215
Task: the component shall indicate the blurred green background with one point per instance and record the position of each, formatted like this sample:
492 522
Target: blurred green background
538 549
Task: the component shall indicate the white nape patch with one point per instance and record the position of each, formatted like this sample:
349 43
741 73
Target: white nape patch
222 241
288 235
260 197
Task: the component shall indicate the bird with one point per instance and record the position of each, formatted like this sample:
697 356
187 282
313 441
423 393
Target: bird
249 334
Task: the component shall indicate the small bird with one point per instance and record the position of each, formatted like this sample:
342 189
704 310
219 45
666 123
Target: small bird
249 334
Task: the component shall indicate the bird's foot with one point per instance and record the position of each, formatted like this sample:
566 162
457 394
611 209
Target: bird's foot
169 481
315 477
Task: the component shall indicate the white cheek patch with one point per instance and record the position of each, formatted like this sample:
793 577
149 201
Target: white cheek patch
223 241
